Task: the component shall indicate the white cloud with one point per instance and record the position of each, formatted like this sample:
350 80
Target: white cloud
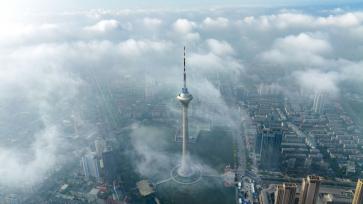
184 26
287 20
318 81
191 36
14 33
44 88
184 30
135 48
151 153
356 33
104 26
217 23
212 63
152 23
281 21
220 47
15 170
304 49
344 20
352 71
303 43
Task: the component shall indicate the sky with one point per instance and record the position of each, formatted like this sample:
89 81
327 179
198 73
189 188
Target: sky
46 5
47 59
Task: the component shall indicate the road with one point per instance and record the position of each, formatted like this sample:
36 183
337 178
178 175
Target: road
241 155
250 177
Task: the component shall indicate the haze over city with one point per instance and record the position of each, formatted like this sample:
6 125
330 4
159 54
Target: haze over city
181 101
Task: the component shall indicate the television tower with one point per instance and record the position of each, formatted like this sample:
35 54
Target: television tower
185 97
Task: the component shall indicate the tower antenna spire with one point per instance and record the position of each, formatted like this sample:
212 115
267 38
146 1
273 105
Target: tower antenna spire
185 74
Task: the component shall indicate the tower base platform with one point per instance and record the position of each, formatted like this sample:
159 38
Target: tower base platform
194 177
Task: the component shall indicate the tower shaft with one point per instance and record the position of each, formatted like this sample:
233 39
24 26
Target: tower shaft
184 97
184 168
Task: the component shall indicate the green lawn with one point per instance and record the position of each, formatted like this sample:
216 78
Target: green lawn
208 190
214 149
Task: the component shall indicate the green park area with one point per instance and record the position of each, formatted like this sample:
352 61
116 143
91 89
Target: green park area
215 150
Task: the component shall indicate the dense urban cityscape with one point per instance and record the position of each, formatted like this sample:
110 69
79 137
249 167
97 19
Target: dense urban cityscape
181 103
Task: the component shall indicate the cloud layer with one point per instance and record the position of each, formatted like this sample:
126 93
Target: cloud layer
47 66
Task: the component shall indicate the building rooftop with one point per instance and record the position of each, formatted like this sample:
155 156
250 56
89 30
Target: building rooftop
145 188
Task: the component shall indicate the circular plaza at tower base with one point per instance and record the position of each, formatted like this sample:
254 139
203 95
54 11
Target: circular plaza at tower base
193 178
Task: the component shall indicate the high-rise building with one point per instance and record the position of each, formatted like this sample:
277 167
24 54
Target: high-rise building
285 193
109 166
279 194
358 195
319 102
185 97
309 191
268 145
90 165
12 199
100 145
